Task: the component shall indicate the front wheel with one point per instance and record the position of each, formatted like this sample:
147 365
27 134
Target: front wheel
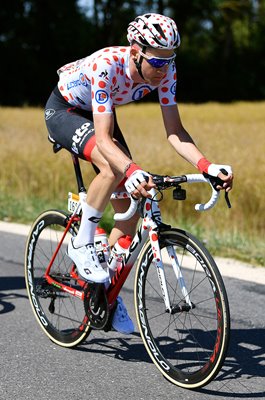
188 345
60 314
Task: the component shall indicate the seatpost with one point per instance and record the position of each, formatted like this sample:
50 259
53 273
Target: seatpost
78 174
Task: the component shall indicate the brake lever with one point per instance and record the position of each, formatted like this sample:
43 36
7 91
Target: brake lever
227 200
226 193
215 181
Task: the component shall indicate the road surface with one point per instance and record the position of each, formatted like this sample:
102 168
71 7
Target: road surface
112 365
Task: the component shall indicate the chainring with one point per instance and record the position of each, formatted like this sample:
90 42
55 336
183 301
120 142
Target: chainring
96 305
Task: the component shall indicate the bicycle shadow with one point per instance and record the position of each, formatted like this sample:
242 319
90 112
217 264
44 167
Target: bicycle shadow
128 348
245 359
8 283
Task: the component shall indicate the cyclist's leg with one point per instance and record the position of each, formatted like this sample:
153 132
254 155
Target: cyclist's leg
74 130
122 227
120 206
121 321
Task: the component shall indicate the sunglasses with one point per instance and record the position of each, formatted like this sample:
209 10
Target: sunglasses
157 62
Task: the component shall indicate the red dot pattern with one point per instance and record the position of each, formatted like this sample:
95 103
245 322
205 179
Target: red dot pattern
154 237
142 28
109 82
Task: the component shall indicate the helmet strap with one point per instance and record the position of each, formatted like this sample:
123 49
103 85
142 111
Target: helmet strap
138 64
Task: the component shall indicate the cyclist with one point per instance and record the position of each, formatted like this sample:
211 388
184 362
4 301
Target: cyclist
80 115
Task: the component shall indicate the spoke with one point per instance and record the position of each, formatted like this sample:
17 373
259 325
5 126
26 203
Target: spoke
204 316
159 295
203 301
206 329
71 319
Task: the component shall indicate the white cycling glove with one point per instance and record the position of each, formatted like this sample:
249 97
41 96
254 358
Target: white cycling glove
215 169
135 179
212 169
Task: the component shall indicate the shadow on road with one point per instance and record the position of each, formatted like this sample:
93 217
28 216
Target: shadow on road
245 360
8 283
244 363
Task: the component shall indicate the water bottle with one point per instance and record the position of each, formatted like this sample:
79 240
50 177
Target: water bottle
102 246
117 252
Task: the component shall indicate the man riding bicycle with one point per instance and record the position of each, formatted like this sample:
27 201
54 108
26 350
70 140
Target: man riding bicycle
80 116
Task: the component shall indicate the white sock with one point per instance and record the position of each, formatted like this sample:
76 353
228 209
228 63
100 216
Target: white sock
89 222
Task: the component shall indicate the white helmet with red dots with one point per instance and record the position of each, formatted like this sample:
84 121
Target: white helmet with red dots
154 30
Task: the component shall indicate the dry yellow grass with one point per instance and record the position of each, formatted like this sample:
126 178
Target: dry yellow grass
225 133
232 134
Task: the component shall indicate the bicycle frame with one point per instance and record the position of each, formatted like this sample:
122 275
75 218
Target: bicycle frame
148 227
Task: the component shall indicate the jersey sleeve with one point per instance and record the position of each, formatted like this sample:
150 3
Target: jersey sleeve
102 79
167 88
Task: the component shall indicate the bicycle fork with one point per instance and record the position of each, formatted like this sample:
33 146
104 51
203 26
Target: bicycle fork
185 305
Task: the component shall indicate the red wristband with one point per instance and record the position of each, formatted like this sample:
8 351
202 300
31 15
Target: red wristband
131 168
203 165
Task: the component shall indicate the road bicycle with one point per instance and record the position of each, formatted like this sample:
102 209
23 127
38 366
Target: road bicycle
180 299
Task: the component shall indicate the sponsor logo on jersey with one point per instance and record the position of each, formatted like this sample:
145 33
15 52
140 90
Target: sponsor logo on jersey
49 113
173 88
104 74
101 96
141 92
78 82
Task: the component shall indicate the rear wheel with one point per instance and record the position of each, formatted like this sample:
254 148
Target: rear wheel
60 314
189 344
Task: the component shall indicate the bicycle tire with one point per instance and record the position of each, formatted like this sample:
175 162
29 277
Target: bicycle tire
188 347
60 315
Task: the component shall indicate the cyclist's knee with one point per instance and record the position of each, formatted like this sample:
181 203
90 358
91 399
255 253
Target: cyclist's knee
105 169
108 173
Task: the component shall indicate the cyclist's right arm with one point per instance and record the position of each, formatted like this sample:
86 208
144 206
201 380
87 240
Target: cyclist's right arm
102 107
136 183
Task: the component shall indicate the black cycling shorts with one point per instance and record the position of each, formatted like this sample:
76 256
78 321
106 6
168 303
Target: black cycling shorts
73 128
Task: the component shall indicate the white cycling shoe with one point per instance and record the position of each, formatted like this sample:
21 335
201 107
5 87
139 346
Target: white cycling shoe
87 263
121 321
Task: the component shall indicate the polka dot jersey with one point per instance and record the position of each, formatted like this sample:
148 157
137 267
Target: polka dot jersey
102 81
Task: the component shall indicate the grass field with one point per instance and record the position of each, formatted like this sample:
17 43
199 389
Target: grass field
32 178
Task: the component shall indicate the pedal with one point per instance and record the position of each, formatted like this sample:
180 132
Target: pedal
51 307
96 305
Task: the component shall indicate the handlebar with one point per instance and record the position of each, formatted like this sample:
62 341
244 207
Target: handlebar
164 182
129 213
195 178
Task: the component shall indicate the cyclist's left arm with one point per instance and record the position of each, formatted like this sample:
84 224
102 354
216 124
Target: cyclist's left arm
182 142
177 135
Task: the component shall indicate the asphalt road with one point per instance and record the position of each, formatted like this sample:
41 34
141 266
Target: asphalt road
112 365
